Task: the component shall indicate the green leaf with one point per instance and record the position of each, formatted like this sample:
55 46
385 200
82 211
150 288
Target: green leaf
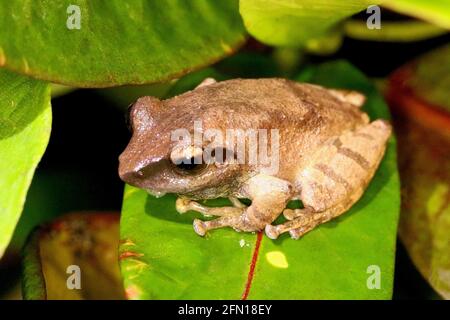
60 90
86 240
295 22
436 11
25 124
118 42
162 257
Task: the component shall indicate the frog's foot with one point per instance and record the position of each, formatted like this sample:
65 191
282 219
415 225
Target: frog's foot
201 227
291 214
183 205
301 221
237 222
231 216
304 220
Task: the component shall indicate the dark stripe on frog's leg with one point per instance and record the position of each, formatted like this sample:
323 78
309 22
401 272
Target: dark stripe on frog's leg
349 153
330 173
337 143
364 135
355 156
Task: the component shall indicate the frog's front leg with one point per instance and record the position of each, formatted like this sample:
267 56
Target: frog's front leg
269 196
183 205
335 178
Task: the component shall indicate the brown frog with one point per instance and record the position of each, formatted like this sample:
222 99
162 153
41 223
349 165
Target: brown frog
327 152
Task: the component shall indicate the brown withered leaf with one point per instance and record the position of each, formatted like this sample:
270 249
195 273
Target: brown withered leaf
423 132
86 240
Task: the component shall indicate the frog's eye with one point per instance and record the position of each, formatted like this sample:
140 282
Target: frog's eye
128 118
189 166
188 159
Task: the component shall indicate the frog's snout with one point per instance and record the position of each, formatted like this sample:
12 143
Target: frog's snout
128 173
136 173
138 166
128 176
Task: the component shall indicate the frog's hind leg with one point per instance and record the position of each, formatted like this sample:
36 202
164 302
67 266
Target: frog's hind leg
335 178
183 205
234 221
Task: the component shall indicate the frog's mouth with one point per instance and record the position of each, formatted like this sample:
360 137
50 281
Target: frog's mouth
162 176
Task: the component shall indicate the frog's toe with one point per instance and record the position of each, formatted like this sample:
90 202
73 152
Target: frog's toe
295 234
291 214
272 231
200 227
182 205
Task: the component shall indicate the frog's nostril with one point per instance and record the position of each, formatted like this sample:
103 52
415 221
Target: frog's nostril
140 173
128 173
131 177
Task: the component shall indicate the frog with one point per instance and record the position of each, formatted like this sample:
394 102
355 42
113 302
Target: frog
329 151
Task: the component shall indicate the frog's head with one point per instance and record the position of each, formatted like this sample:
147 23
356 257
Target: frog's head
162 157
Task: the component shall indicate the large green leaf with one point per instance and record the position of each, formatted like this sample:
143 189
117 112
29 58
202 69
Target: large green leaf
119 42
243 65
162 258
294 22
25 124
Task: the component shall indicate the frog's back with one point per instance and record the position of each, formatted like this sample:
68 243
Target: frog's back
270 100
267 95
